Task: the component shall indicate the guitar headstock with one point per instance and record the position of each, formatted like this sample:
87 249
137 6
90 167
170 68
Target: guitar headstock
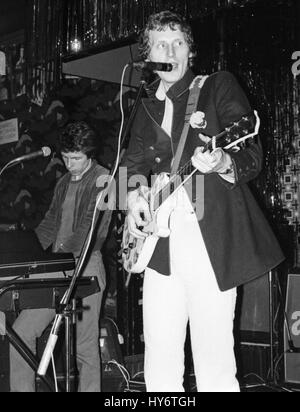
240 129
237 132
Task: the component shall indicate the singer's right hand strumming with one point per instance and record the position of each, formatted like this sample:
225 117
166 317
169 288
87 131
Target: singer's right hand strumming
138 211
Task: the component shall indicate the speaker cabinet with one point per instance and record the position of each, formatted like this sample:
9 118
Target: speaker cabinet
252 322
252 330
253 360
292 329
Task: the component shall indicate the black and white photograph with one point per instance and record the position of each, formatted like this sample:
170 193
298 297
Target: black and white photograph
149 198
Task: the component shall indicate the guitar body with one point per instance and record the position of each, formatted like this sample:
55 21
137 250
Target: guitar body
136 253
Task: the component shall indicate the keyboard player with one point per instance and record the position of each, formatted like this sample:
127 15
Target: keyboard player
65 227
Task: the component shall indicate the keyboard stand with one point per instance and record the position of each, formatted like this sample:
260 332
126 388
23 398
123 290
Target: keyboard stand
32 360
87 286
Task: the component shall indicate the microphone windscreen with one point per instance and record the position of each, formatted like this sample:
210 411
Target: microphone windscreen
46 151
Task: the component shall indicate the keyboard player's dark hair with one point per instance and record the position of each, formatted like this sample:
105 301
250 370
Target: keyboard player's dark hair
78 137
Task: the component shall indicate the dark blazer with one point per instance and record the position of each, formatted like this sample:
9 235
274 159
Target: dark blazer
239 241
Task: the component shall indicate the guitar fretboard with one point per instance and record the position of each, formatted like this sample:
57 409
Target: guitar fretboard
231 134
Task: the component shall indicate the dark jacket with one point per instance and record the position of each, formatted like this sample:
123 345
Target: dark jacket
239 241
84 207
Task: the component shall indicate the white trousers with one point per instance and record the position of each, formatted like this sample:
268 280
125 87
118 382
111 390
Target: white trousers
190 294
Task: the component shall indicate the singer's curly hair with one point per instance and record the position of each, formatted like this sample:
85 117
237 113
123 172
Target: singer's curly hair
78 137
162 21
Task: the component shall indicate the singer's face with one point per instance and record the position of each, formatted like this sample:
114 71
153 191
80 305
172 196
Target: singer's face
169 46
75 162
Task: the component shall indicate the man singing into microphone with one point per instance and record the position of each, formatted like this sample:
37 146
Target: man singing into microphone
65 227
193 275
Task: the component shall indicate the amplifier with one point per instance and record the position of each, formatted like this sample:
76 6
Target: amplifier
252 312
253 362
113 376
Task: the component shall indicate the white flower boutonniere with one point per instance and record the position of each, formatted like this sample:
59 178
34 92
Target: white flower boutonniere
198 121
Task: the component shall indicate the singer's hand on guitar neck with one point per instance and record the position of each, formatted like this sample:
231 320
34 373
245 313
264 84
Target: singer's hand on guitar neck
216 161
139 214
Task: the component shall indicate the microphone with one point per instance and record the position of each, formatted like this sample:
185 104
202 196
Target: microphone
48 352
44 152
160 67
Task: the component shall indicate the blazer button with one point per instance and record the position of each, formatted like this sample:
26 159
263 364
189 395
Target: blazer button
157 160
151 148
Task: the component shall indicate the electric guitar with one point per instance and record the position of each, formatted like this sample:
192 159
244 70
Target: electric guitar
136 253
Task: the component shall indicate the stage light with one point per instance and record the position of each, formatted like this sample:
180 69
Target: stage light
100 63
76 45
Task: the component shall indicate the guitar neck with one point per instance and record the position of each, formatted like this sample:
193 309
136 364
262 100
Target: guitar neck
180 178
245 128
175 183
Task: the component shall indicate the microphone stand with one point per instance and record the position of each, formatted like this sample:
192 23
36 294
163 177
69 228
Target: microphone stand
134 109
67 310
65 302
18 160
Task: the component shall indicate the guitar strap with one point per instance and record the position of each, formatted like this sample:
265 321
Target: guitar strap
192 103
